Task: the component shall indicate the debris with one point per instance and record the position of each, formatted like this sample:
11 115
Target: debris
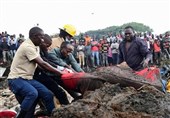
113 101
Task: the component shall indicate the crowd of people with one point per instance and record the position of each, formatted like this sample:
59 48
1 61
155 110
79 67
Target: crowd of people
40 62
8 46
92 52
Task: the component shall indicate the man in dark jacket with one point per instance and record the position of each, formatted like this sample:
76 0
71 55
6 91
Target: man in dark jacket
134 51
43 77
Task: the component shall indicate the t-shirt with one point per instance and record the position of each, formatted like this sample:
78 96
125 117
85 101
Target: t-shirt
115 47
87 39
95 46
22 64
105 48
156 47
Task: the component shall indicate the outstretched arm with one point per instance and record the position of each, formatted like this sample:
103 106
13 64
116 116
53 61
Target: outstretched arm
46 66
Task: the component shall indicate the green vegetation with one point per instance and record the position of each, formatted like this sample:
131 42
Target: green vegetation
138 27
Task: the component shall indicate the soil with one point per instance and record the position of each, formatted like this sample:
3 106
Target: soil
110 101
113 101
131 97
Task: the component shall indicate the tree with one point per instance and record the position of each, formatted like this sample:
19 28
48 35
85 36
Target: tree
138 27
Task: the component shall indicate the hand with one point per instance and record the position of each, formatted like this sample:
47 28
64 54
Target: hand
69 70
69 67
145 63
60 68
63 72
123 64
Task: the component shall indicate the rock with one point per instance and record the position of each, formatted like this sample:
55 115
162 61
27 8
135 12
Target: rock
7 98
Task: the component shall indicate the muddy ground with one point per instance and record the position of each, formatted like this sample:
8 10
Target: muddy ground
119 100
112 101
109 101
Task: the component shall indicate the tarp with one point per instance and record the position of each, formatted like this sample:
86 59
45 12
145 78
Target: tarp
150 74
8 114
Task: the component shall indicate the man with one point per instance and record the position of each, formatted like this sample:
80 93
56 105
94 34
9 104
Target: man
81 56
22 70
88 55
66 33
134 51
115 51
87 39
95 51
166 42
46 78
82 39
5 49
63 57
104 51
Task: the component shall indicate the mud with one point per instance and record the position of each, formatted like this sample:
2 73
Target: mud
113 101
125 76
110 101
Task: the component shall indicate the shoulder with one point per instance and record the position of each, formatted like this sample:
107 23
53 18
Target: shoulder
139 41
55 50
28 45
70 57
122 43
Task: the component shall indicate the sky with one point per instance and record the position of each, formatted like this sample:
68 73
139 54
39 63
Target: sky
19 16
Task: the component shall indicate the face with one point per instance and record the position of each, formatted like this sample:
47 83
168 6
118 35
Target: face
129 34
66 51
68 37
105 40
39 38
45 45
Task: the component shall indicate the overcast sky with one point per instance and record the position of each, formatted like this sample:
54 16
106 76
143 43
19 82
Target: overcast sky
18 16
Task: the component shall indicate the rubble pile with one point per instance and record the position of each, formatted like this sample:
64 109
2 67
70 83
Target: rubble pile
7 98
113 101
132 97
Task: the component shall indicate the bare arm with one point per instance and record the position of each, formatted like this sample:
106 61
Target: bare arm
46 66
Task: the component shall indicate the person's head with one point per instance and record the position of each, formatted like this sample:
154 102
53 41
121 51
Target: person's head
86 35
47 42
11 36
20 35
105 40
66 48
67 32
4 39
160 36
129 33
81 35
20 41
167 34
147 38
36 35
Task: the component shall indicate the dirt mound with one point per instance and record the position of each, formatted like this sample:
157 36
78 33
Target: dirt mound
112 101
126 77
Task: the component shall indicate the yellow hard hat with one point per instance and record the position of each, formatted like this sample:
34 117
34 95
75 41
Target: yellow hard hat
70 29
